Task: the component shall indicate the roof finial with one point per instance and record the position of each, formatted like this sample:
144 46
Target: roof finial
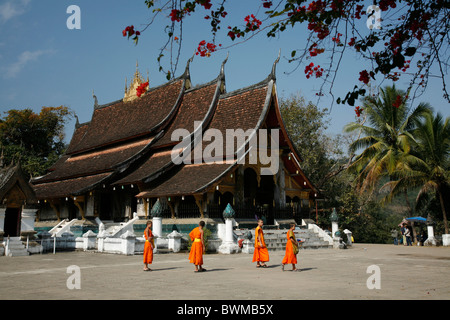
95 99
222 69
186 71
77 123
273 74
126 85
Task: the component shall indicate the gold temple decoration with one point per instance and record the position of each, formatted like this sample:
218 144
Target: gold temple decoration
130 91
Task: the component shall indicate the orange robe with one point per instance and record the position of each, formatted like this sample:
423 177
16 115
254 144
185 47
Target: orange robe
260 254
196 254
148 251
290 257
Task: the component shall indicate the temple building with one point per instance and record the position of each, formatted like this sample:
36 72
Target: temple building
18 204
170 144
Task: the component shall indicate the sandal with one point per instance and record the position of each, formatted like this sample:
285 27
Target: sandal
264 266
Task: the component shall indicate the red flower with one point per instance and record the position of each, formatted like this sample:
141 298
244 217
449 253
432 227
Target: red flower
310 70
130 31
252 23
141 89
398 101
358 111
175 15
205 49
205 3
364 76
352 42
267 4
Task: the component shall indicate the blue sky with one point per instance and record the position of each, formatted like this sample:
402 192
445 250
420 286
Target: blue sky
43 63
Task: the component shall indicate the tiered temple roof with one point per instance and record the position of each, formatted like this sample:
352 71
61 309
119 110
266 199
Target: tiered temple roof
130 142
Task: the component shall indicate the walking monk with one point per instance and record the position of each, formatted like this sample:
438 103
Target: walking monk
291 249
261 254
149 245
198 247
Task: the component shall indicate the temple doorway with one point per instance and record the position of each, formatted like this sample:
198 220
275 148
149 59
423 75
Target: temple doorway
12 222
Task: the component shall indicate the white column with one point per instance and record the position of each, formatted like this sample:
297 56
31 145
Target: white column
128 243
228 246
28 218
157 227
334 228
2 220
89 240
446 240
175 241
141 208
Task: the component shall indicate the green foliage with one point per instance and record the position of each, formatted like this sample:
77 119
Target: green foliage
427 165
325 163
406 147
34 139
386 128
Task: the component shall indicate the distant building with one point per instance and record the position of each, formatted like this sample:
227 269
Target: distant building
18 203
120 162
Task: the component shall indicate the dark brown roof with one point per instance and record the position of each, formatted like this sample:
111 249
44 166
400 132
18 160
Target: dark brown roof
244 109
63 188
184 183
12 175
239 110
149 167
80 131
195 105
125 120
131 142
95 161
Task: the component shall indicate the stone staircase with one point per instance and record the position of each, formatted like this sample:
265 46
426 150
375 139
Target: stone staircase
116 229
15 247
276 239
63 226
112 228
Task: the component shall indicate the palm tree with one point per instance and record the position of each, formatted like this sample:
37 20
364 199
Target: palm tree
386 134
428 165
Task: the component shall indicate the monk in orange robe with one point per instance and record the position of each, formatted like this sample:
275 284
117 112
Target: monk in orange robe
198 247
261 254
148 246
291 248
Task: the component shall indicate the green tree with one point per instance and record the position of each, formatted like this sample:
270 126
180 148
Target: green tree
325 162
323 154
34 139
386 128
427 167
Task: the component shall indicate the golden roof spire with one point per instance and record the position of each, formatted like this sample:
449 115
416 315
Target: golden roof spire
138 79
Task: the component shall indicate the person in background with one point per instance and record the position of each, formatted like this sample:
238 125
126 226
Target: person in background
148 246
261 253
394 234
408 236
291 249
198 247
